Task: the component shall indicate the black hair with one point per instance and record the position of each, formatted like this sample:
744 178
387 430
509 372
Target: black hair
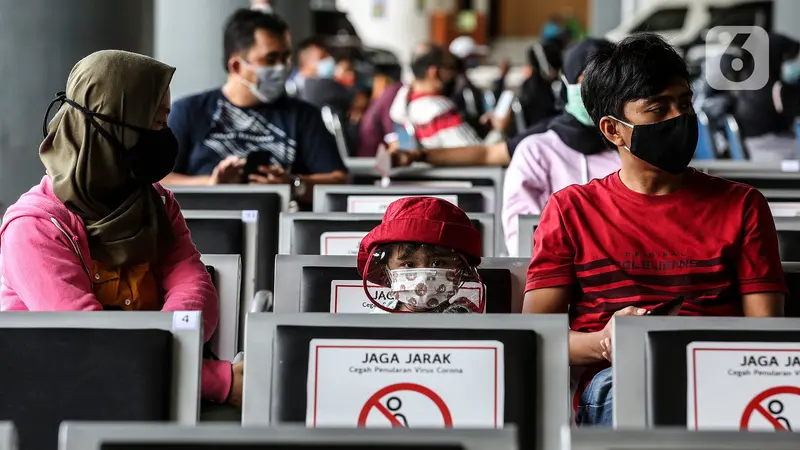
430 56
312 42
383 252
640 66
241 27
406 249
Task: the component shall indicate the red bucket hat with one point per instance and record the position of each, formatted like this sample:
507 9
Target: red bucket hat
423 220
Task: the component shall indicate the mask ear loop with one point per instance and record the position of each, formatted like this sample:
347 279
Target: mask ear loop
632 127
90 115
60 98
366 291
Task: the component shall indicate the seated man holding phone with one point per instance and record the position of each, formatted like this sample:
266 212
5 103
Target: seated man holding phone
250 131
640 239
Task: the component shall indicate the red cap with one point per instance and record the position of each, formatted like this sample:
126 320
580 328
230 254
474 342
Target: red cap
423 220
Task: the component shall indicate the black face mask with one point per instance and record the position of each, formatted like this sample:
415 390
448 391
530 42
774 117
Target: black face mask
153 156
667 145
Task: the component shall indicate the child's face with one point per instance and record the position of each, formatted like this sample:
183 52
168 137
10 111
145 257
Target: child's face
426 257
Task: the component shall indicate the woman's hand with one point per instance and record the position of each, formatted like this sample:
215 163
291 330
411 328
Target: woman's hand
235 396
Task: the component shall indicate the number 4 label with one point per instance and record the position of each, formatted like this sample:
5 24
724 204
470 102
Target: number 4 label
185 320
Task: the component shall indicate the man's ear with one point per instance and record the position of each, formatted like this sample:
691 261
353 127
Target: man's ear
234 64
611 129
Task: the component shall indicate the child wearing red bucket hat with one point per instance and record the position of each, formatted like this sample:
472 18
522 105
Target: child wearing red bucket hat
424 250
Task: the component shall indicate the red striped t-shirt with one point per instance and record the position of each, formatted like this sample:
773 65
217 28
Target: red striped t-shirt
712 241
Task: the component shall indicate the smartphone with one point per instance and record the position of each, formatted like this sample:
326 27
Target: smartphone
256 159
405 137
668 308
503 106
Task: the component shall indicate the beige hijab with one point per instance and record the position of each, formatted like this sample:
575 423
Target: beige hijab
126 221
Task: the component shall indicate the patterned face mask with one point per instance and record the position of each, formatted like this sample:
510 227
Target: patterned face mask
423 288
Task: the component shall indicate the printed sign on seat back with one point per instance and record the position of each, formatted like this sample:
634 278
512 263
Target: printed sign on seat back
726 371
641 348
345 370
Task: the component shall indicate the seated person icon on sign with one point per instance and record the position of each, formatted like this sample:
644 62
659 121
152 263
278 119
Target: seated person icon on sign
653 231
425 250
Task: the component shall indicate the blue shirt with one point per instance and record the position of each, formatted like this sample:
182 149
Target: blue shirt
209 128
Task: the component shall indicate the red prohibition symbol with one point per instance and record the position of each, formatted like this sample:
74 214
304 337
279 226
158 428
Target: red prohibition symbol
756 405
375 402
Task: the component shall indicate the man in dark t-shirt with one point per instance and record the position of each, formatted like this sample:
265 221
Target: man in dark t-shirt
653 231
218 129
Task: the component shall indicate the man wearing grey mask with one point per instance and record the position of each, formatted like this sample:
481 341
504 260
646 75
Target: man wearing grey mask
219 129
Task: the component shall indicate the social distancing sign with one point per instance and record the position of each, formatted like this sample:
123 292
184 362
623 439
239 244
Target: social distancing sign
347 296
399 383
378 203
743 386
340 242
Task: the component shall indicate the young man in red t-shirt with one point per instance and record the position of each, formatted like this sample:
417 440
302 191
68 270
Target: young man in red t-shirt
654 230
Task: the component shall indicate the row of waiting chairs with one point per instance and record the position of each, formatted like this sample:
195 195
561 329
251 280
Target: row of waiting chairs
251 229
707 145
313 283
264 204
150 369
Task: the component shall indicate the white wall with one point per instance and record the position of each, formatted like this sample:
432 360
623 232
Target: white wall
401 27
786 14
188 35
631 7
605 16
40 41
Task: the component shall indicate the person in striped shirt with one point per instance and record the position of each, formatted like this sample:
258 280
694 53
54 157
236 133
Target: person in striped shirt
424 106
653 231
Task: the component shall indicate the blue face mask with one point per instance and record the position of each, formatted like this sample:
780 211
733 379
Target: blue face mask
791 71
575 106
326 67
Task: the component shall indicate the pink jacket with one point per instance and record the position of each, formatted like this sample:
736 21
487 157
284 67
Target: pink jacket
541 166
45 265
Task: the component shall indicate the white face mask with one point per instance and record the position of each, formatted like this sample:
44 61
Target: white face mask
423 288
271 83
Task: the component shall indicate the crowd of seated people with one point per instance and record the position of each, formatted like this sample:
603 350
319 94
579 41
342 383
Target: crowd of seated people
606 166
